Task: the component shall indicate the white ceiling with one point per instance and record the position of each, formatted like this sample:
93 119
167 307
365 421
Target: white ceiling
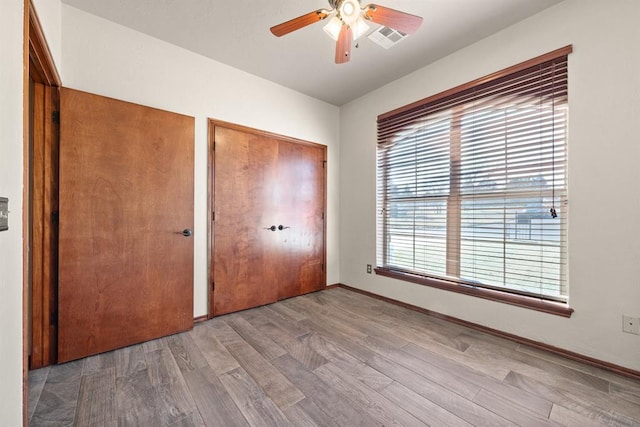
236 32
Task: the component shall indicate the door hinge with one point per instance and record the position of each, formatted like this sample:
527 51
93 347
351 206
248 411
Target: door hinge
213 216
53 318
55 217
55 117
213 286
322 215
324 162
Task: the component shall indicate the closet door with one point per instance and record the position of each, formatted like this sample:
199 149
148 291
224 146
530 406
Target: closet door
268 211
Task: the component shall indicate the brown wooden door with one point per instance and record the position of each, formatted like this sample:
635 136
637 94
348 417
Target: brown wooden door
300 206
262 181
126 191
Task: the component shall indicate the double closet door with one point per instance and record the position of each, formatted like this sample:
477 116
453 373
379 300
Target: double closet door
268 225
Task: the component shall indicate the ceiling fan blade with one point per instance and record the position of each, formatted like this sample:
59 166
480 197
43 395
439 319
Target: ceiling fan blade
343 45
392 18
299 22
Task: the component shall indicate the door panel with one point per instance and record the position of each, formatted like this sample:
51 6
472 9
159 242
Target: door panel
300 206
126 191
244 253
261 180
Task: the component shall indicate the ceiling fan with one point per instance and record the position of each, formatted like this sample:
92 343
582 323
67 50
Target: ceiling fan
349 22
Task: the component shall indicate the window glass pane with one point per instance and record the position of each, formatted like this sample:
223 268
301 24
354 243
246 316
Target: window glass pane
417 235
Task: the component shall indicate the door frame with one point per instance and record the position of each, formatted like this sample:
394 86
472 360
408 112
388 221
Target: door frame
38 65
211 196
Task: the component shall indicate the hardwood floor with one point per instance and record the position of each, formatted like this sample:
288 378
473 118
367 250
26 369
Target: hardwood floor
332 358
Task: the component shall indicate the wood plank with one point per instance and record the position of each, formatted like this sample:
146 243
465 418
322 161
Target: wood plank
348 363
190 420
274 384
217 356
448 368
58 400
423 331
567 417
578 386
255 405
141 397
261 343
287 312
222 331
337 405
362 324
345 342
536 367
289 324
605 410
301 352
625 391
96 401
186 353
422 408
99 362
419 366
452 402
518 414
324 315
135 400
624 387
37 380
172 397
307 414
371 401
153 345
393 313
130 360
483 364
212 399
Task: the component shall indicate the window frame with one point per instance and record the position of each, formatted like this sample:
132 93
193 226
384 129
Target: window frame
532 302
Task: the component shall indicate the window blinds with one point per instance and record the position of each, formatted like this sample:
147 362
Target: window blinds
472 183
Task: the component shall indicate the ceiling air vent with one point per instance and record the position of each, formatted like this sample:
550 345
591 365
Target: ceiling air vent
387 37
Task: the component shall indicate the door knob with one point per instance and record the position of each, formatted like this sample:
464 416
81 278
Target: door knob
282 227
272 228
186 232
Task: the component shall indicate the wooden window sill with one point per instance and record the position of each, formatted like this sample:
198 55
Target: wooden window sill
538 304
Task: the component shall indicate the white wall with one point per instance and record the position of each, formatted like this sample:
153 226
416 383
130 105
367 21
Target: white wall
49 14
604 177
101 57
11 31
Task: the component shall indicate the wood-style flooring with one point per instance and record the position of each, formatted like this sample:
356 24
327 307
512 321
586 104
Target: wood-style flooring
332 358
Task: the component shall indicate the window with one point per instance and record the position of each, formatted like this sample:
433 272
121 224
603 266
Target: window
472 191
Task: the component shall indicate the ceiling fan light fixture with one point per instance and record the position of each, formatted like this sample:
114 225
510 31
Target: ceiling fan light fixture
350 11
333 27
359 28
